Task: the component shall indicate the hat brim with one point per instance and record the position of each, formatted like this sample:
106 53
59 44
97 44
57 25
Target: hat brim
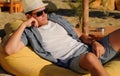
32 9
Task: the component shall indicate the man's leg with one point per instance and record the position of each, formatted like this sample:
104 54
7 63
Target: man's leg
114 39
91 63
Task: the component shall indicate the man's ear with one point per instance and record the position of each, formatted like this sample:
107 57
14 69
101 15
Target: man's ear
28 16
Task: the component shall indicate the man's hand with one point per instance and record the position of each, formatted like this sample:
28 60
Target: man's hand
98 49
31 22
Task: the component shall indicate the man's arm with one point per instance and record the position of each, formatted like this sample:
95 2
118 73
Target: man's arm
78 32
14 43
86 39
97 48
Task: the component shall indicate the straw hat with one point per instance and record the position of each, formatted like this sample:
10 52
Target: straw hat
30 5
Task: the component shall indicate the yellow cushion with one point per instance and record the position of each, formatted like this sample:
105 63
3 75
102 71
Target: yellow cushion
113 67
27 63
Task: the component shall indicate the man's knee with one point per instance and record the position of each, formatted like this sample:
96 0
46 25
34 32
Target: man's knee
87 61
89 57
90 62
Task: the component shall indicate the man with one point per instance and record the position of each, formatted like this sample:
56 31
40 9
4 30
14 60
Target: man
54 39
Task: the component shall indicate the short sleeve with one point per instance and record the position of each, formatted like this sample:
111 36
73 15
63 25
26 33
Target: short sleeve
24 38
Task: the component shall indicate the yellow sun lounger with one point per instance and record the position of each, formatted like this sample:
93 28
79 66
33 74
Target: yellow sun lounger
26 63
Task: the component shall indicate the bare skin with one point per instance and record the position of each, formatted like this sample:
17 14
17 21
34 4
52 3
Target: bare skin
14 44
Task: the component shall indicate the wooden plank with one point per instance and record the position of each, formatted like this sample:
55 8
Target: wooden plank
11 6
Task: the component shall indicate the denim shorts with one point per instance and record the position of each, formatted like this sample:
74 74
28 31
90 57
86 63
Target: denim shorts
109 54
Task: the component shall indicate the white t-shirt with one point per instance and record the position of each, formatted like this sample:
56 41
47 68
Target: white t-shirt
57 41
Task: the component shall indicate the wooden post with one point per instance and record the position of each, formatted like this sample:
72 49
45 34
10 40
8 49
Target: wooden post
11 6
85 20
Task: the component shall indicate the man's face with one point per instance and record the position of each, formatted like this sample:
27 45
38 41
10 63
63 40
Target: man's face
40 15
